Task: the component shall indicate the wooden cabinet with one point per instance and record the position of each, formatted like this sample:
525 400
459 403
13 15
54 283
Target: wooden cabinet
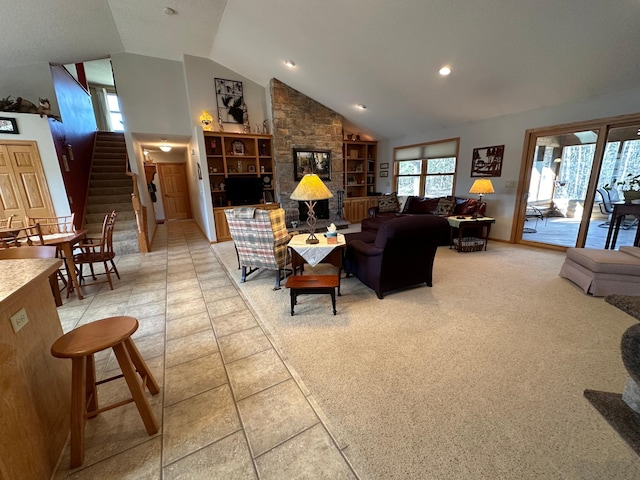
359 167
222 227
356 209
238 155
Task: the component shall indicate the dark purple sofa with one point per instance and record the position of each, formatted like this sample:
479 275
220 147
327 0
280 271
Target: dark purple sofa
444 206
399 255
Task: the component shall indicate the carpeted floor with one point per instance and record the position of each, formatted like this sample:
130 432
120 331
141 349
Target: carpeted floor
481 376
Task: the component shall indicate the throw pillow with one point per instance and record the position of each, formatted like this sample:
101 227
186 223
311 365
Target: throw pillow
388 203
466 207
421 205
445 207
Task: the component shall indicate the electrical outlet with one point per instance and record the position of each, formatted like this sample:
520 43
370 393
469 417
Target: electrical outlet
19 320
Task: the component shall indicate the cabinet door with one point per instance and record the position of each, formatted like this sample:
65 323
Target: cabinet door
23 187
222 227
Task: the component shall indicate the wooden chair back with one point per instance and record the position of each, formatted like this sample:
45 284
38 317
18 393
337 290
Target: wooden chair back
6 222
53 225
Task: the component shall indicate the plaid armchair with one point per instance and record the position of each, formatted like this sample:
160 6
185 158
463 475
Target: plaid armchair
261 239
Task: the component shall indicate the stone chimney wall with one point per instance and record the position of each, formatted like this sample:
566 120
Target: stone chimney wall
301 122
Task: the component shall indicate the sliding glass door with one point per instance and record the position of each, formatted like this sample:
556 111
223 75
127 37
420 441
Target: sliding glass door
569 182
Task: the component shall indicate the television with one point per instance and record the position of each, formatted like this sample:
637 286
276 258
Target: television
244 190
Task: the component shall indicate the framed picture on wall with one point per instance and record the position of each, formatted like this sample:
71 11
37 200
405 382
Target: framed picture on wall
487 161
8 125
229 100
311 161
384 174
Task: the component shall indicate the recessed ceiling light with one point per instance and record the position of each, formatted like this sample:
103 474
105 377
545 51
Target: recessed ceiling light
290 63
361 106
444 71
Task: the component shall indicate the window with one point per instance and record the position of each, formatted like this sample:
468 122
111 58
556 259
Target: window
427 169
115 117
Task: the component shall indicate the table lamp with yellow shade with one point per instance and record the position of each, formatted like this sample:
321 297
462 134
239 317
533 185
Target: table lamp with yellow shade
481 186
311 189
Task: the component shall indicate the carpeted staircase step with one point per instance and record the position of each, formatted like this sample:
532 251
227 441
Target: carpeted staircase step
110 183
99 191
106 175
90 218
104 207
109 199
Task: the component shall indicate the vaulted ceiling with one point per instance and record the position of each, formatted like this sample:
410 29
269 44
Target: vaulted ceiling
506 56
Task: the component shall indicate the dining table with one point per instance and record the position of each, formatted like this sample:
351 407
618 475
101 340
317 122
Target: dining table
65 243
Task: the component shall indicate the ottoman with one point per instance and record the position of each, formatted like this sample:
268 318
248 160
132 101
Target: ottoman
604 272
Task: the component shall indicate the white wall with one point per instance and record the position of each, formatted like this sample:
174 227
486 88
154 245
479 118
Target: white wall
30 82
36 129
510 131
201 203
200 73
152 94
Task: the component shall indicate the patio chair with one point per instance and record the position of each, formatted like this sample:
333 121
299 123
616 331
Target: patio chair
261 238
609 197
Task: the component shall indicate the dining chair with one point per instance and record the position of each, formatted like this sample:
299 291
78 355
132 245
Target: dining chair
98 250
53 225
6 222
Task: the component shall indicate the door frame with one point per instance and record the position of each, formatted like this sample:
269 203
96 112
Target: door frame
602 127
183 166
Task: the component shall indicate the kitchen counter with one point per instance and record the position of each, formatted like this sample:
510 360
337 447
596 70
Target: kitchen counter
35 386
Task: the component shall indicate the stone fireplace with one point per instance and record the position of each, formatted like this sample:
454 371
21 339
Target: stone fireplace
321 209
301 122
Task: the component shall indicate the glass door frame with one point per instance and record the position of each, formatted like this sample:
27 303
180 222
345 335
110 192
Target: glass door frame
601 127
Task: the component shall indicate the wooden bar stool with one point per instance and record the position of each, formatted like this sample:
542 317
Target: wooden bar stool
80 345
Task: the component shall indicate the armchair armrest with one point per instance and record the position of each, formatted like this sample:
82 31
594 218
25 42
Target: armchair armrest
365 249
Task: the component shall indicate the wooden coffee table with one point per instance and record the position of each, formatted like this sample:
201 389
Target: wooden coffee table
313 284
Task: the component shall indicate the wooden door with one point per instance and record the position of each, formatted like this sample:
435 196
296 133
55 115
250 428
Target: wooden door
175 194
23 186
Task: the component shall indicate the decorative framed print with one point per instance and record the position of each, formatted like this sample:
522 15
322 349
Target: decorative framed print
384 166
487 161
311 161
238 148
384 174
251 169
229 100
8 125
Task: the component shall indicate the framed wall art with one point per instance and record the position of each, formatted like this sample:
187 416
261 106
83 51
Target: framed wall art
487 161
8 125
311 161
384 166
384 174
229 100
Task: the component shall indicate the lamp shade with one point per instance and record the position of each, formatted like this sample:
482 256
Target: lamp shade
311 188
482 186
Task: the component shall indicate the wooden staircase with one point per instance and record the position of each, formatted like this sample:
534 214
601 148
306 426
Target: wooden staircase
110 188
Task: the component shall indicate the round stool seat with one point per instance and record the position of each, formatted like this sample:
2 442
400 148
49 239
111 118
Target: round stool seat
94 337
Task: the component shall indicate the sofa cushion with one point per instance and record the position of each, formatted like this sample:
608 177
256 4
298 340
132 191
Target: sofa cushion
388 203
445 207
420 205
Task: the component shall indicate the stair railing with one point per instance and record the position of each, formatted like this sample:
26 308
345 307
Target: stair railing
141 214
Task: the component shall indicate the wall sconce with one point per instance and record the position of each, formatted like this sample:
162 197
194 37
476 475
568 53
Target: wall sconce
207 121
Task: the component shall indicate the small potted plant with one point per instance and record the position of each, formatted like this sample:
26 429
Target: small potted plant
630 186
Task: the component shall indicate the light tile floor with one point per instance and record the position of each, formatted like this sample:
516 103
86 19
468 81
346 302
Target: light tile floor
229 406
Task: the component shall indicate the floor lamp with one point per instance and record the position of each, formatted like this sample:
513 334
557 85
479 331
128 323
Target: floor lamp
309 190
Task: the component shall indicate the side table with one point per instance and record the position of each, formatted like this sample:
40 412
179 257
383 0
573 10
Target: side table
467 223
313 254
